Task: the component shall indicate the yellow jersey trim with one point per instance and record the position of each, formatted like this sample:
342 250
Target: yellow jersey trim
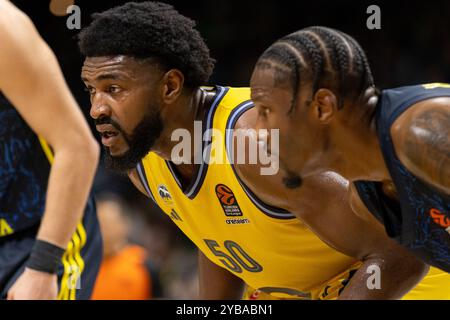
72 260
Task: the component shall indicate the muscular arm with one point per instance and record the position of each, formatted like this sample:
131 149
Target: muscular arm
31 79
421 138
216 283
322 203
364 239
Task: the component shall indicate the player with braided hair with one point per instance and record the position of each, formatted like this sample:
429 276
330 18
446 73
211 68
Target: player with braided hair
394 145
145 66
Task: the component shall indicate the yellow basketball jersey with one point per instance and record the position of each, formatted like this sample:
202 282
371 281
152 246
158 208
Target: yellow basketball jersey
267 247
435 286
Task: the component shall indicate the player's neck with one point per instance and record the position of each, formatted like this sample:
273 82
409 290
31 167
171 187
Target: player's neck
360 156
366 160
179 125
180 129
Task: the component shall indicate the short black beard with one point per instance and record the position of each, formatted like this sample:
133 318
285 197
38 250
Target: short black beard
140 142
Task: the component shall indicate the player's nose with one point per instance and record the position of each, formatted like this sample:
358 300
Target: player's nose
99 109
262 134
263 137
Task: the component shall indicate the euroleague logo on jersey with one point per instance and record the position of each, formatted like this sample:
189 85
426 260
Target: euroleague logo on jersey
225 195
228 201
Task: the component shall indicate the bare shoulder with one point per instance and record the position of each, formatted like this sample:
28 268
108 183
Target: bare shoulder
12 20
421 137
18 36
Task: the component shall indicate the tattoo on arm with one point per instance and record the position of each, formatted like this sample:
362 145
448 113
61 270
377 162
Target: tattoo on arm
427 145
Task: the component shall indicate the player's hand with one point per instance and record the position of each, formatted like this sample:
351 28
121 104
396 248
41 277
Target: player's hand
34 285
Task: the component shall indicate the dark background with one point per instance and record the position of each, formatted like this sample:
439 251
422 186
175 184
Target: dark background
412 47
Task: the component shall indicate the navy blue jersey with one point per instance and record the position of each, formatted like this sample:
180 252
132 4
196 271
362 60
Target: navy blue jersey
420 220
24 171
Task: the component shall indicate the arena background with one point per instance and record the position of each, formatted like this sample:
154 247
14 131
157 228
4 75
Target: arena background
412 47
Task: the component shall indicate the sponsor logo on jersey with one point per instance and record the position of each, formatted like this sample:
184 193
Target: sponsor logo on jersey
175 216
237 221
165 195
440 219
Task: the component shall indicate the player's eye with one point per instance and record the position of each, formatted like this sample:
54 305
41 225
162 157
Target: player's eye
91 90
264 111
114 89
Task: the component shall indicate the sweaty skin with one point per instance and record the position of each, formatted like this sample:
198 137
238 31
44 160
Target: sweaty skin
124 91
421 137
321 202
322 128
345 140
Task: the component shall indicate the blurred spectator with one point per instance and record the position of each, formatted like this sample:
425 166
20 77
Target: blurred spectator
125 273
181 275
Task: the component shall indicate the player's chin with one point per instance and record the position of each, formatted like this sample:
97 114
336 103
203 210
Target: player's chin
117 150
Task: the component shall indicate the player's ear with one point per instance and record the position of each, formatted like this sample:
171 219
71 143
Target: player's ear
324 105
173 81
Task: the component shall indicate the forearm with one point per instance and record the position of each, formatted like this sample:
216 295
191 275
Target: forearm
216 283
70 181
384 277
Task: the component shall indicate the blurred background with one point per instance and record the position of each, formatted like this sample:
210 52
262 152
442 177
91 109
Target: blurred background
412 47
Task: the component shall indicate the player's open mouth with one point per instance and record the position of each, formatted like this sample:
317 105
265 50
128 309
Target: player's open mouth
108 133
109 138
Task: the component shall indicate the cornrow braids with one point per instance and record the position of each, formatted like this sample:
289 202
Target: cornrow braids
289 57
339 55
329 59
308 49
363 64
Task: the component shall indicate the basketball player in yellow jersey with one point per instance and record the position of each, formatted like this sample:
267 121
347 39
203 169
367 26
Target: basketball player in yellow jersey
144 66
